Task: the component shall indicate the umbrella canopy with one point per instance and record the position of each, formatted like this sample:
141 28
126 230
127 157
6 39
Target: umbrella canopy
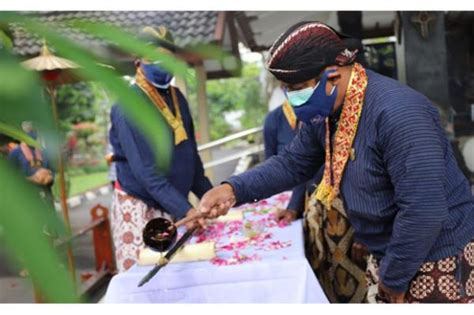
53 69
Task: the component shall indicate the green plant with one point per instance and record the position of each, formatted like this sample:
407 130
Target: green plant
228 95
76 103
21 98
99 168
23 226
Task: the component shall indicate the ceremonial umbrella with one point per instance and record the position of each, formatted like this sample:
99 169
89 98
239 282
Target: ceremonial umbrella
56 71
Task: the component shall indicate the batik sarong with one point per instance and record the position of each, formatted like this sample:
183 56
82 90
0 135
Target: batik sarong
128 218
328 243
448 280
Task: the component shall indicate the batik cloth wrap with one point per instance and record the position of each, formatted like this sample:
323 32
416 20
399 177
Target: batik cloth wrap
448 280
329 234
128 218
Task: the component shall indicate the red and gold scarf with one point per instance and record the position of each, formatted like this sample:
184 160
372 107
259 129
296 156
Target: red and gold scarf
290 115
329 189
175 122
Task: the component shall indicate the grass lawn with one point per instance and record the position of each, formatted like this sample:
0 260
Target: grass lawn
83 183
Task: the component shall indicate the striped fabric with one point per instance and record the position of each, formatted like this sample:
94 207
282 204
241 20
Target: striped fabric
404 193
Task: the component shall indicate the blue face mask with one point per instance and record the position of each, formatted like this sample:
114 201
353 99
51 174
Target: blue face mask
312 105
156 75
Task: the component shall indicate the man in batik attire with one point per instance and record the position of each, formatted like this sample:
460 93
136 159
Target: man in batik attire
388 170
280 127
142 192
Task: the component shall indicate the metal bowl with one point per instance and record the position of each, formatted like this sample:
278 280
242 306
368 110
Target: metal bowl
160 234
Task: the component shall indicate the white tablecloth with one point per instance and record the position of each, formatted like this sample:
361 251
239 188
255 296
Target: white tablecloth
277 276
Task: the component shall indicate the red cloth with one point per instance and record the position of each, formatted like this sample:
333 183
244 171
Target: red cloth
117 186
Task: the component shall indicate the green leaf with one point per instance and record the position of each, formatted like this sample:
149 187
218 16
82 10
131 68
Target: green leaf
5 40
22 213
211 51
21 98
128 42
23 216
17 134
147 119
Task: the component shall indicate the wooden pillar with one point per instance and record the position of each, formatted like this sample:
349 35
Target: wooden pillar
422 55
62 184
180 83
203 120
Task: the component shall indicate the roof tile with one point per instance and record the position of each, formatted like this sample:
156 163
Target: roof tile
187 27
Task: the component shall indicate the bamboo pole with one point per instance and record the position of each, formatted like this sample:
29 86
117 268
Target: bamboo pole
62 184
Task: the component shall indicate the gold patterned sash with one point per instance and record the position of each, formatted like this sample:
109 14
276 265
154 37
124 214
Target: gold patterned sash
175 122
329 187
290 115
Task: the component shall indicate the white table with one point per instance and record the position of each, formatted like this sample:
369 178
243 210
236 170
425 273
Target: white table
277 276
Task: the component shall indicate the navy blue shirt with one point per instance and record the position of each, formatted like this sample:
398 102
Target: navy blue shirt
404 193
277 134
137 171
18 159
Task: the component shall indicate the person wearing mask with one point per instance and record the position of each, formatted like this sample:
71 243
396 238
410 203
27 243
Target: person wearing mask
388 171
141 191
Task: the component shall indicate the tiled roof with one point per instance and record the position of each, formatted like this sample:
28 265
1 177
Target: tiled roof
187 27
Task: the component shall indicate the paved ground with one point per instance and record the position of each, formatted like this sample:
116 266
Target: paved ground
14 289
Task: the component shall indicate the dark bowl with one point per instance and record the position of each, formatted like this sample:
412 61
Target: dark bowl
159 234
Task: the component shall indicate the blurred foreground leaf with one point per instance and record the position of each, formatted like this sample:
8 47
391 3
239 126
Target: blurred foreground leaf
23 216
129 43
5 41
18 134
22 99
145 117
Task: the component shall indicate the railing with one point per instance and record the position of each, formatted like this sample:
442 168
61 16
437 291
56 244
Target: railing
252 150
104 257
257 148
229 138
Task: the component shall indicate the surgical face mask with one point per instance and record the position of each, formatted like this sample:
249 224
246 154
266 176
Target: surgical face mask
313 105
156 75
299 97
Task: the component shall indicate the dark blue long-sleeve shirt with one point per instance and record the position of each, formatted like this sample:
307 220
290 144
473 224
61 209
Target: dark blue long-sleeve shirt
404 193
277 134
137 171
18 159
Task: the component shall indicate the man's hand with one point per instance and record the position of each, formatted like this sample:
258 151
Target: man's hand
389 296
288 215
201 222
41 177
109 158
217 201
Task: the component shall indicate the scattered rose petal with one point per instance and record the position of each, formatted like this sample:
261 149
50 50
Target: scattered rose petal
283 223
259 218
236 259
